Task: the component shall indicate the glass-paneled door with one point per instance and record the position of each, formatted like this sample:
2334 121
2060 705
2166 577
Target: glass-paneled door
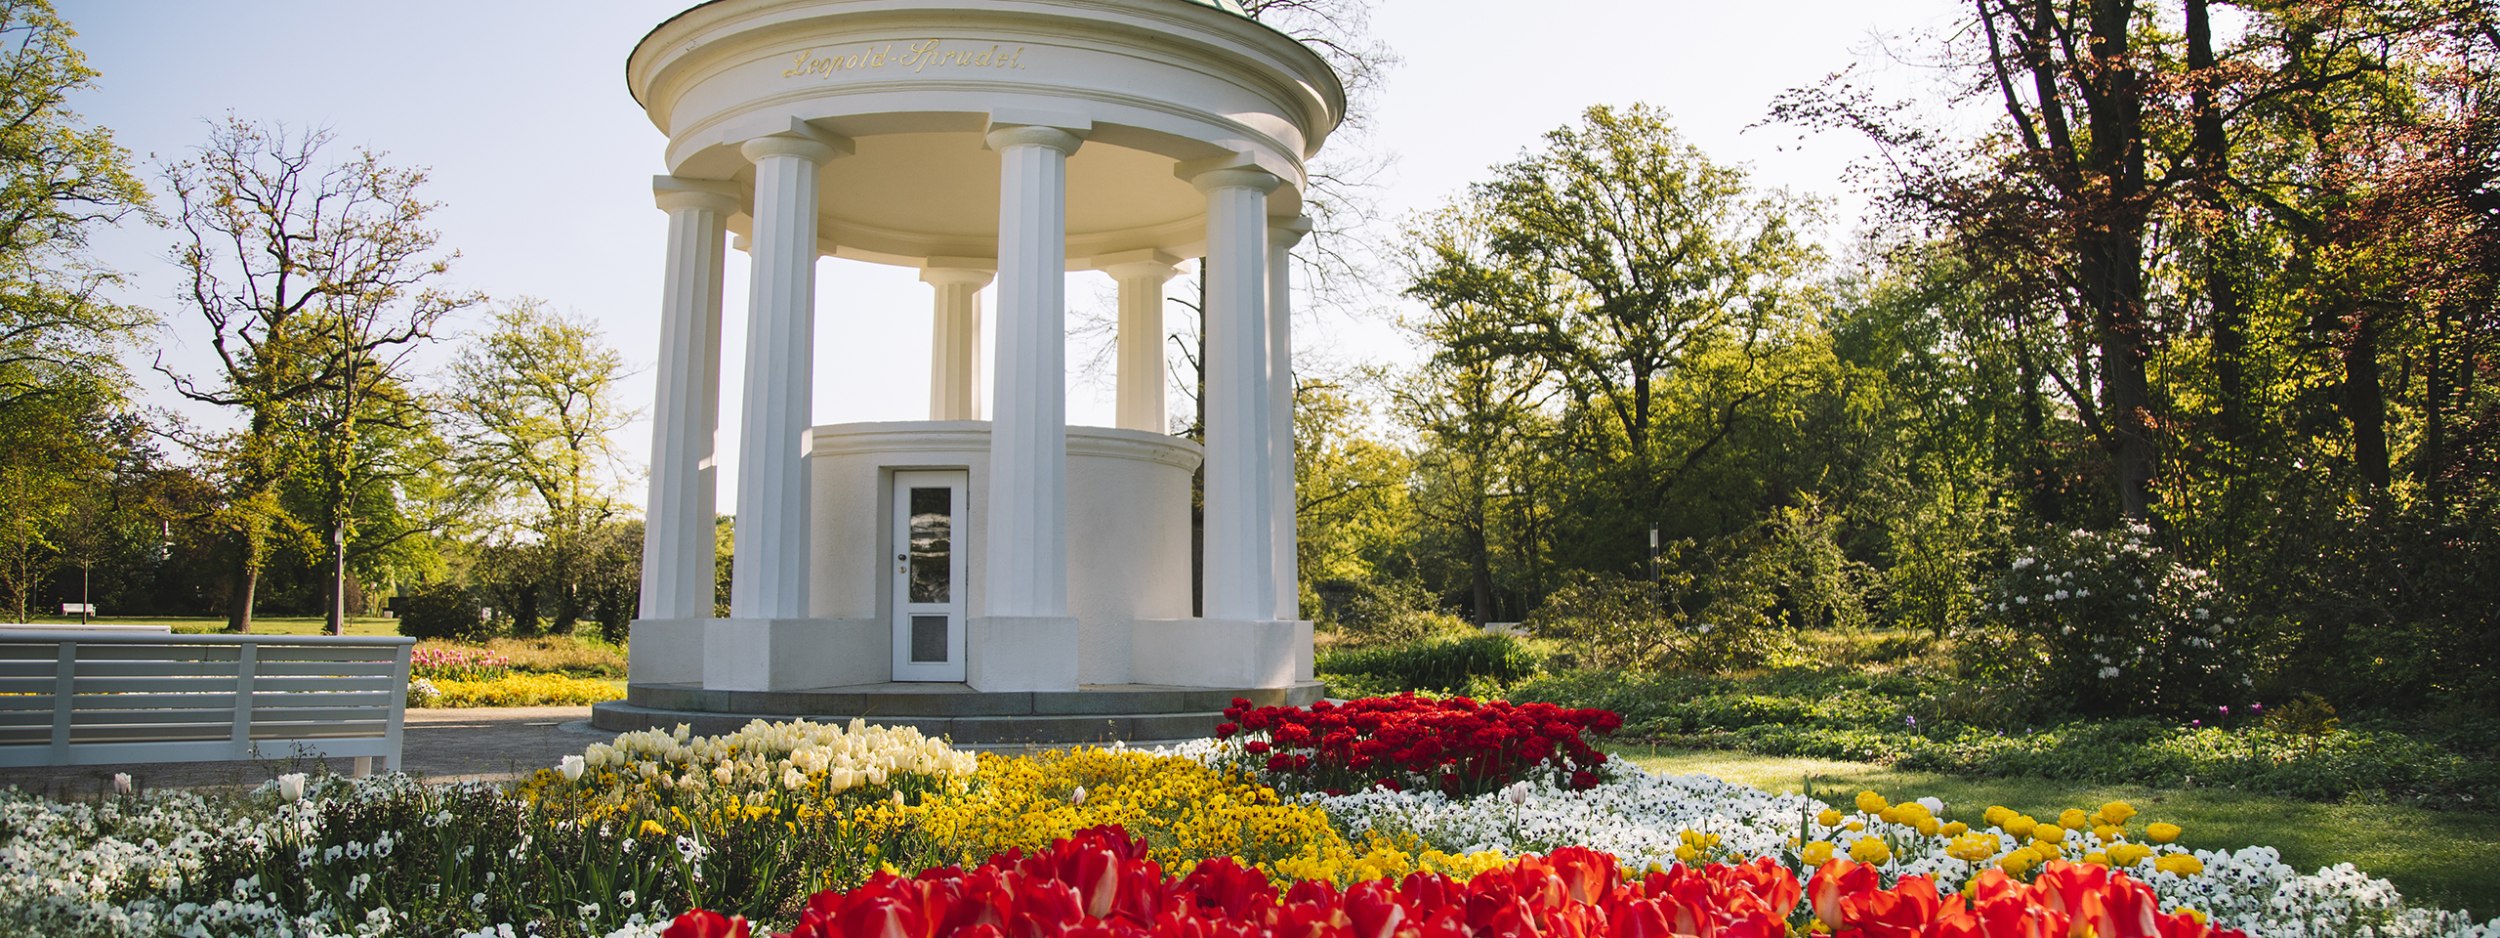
929 576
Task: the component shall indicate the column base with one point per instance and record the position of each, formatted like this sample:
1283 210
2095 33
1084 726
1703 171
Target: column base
1221 653
793 654
665 651
1017 653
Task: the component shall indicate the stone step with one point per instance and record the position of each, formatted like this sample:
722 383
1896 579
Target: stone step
910 701
970 730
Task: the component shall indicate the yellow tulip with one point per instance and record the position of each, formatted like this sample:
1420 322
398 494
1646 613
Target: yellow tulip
1871 802
1870 850
1829 818
2162 832
1816 853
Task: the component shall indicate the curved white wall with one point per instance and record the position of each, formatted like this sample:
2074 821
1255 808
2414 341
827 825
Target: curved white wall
1128 529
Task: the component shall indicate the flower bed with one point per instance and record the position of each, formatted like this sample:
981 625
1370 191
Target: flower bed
512 690
1454 744
1101 883
781 822
457 663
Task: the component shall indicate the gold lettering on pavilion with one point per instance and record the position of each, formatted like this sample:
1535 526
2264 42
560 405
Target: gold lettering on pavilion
916 58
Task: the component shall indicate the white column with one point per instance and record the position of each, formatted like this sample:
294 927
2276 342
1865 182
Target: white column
1240 558
1141 371
1027 559
1283 234
770 578
677 559
955 342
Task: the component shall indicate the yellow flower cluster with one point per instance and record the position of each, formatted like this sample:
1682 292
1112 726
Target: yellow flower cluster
523 690
1694 848
1184 810
2015 842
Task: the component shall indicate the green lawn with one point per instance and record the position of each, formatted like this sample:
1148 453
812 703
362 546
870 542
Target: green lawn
265 625
2434 857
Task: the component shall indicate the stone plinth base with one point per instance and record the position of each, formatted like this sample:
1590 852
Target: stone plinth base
1017 653
1134 713
1219 653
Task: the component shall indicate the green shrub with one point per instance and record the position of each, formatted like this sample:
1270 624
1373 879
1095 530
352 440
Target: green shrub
1396 612
1472 665
443 612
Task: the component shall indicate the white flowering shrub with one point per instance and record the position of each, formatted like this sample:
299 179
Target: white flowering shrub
2108 622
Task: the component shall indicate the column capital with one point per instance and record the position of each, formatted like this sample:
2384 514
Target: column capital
676 192
1230 171
1065 140
1283 232
802 140
956 274
1135 265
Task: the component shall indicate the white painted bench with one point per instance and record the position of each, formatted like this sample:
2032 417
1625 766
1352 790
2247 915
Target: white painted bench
83 697
79 609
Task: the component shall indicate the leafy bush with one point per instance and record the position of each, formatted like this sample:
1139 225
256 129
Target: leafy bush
1694 619
1471 665
443 612
1395 612
2112 624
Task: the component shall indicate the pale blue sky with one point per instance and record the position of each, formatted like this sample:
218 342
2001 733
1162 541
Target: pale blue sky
542 160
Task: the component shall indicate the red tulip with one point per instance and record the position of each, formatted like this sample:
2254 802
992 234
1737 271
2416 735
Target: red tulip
1904 911
1835 882
701 923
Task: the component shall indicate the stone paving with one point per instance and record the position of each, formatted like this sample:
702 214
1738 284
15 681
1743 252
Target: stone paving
486 743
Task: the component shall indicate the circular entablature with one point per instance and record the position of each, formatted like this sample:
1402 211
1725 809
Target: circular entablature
910 88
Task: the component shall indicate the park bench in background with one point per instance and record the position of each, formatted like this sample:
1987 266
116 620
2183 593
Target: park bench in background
72 696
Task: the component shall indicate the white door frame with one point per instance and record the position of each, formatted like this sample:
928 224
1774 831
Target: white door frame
913 642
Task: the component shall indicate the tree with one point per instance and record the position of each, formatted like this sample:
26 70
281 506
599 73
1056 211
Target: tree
536 402
61 381
58 181
1617 257
314 282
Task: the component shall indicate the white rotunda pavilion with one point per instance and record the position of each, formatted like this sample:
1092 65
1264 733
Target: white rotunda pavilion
990 572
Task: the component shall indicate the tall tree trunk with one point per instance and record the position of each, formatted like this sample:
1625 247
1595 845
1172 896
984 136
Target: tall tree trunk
2218 255
2439 387
337 612
2365 407
246 581
1480 568
2112 254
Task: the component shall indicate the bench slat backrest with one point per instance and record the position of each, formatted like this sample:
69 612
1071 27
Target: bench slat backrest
84 698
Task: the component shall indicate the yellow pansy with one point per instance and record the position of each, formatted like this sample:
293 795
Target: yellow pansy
2183 864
